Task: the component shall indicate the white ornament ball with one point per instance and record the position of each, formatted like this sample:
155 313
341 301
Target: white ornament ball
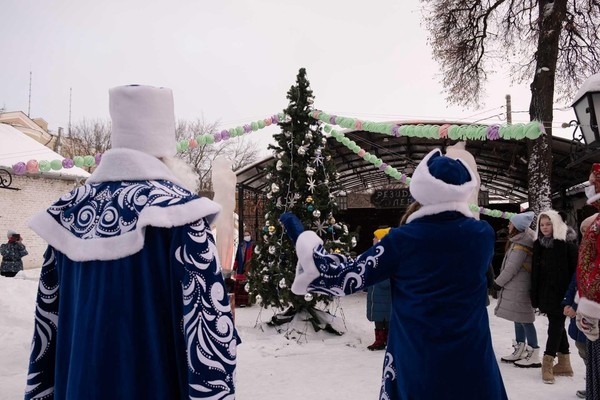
247 288
310 171
316 213
266 278
353 241
308 297
272 249
282 283
258 298
301 150
275 188
256 250
279 165
308 135
269 196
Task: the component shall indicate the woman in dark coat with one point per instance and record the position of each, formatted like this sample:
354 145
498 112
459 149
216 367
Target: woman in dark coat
12 253
379 303
554 262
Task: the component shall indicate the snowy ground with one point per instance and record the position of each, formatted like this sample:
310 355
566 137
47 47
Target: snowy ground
318 366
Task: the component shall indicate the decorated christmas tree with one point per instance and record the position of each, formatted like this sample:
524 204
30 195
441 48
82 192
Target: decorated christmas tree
304 181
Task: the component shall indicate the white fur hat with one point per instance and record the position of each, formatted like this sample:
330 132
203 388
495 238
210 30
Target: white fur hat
441 184
11 233
143 119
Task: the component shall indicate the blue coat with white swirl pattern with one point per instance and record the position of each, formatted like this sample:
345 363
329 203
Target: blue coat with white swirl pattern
439 344
131 301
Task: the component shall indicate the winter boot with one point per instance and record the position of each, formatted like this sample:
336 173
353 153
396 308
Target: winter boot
547 363
517 354
531 360
380 339
563 367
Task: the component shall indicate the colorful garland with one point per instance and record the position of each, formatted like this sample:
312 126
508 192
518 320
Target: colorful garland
394 173
33 166
531 130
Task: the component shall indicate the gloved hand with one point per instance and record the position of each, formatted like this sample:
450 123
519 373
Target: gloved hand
588 325
292 224
496 287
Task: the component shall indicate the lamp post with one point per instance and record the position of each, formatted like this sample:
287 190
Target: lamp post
587 109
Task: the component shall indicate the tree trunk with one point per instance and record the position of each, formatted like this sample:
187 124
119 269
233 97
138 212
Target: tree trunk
551 17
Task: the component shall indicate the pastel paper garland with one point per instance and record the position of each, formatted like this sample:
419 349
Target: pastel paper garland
394 173
530 130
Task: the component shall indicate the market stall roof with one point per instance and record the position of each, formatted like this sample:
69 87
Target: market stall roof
502 164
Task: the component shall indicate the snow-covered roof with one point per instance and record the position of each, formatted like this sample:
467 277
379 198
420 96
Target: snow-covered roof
16 146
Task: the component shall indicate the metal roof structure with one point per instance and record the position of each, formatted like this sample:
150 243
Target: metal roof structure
502 164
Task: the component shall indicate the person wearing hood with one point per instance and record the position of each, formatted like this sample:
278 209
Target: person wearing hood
12 253
131 301
439 342
513 285
554 262
588 289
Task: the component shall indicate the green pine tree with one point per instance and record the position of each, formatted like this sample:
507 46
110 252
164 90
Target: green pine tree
302 181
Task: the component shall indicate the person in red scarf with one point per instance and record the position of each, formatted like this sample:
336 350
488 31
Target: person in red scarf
240 266
588 286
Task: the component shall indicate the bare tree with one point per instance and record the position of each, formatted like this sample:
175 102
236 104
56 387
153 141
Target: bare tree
239 150
555 45
87 137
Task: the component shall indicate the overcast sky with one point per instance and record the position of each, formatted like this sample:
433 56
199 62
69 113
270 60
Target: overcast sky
232 61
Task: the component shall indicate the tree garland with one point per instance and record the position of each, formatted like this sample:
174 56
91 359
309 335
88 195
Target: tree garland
394 173
531 130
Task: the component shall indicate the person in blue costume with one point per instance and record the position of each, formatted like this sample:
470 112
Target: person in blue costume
439 343
131 301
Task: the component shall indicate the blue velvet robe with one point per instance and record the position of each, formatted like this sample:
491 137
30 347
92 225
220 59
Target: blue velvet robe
155 324
439 345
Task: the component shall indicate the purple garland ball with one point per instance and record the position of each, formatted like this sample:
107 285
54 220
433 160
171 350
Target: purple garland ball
68 163
275 119
19 168
395 130
332 120
225 135
217 137
503 215
493 132
98 158
247 128
383 166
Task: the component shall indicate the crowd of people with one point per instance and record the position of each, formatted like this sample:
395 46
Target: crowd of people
148 252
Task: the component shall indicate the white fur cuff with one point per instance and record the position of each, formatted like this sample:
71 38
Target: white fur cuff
306 270
589 308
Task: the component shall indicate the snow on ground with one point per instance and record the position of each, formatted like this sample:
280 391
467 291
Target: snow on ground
271 367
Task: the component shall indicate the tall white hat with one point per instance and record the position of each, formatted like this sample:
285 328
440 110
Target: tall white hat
143 119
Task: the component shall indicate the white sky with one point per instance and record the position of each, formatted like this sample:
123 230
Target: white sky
232 61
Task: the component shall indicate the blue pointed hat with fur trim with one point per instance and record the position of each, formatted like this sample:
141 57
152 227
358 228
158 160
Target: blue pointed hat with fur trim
441 184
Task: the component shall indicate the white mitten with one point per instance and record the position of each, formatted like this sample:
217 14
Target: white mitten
588 325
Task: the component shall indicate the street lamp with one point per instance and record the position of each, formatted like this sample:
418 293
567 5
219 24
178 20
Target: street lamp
587 109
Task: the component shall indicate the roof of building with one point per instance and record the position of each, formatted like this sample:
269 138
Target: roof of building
15 147
502 164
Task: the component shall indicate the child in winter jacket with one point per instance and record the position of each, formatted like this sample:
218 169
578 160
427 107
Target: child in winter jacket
513 285
379 303
554 262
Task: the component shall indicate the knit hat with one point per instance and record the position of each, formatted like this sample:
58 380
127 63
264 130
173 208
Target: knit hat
143 119
440 184
380 233
522 221
11 233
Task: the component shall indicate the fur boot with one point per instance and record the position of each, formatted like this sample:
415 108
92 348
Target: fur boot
547 364
563 367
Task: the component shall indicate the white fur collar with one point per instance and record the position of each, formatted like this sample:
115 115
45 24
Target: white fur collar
130 165
559 228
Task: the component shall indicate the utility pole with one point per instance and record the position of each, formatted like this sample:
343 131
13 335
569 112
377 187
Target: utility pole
508 110
29 103
70 102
